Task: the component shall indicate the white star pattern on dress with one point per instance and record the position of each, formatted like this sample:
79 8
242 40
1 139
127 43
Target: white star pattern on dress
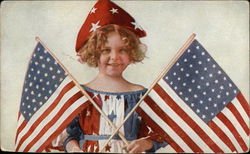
94 26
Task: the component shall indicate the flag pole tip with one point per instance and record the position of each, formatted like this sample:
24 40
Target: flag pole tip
37 38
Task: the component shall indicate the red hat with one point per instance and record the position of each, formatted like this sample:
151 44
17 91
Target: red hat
103 13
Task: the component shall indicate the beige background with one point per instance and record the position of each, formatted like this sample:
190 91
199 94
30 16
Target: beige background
221 26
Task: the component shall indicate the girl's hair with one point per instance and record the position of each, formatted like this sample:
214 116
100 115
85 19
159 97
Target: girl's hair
90 52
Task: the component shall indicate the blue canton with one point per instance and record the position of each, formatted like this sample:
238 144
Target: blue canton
43 77
200 82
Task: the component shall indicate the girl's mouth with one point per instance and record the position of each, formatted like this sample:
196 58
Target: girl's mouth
113 64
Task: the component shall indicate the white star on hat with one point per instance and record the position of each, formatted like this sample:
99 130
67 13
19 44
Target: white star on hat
136 25
93 10
113 10
94 26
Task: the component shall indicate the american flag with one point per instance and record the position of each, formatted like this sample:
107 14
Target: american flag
196 107
50 100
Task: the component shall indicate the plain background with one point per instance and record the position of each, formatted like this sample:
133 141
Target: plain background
222 27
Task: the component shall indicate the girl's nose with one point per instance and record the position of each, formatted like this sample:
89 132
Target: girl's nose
114 54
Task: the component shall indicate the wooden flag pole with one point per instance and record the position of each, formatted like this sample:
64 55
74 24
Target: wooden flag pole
85 94
166 69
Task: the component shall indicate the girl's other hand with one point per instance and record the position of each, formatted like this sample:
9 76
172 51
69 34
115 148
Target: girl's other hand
139 145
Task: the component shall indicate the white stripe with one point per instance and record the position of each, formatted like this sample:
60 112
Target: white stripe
235 123
165 127
53 128
20 121
194 116
44 121
229 134
43 108
242 112
180 122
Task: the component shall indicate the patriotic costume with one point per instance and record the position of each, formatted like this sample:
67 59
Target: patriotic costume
89 128
92 131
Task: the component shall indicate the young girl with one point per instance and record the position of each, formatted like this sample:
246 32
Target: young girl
111 48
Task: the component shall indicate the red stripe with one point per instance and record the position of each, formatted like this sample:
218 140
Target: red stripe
231 127
178 110
20 128
175 127
244 103
63 126
50 123
237 115
45 113
158 129
220 133
19 114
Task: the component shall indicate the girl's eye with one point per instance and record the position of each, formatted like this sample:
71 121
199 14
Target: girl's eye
123 51
105 51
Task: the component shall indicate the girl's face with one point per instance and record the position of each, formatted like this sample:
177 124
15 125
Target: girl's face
114 58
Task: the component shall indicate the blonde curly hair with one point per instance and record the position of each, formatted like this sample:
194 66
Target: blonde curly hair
90 52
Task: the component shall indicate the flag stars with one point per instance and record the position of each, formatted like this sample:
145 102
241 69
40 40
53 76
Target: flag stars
185 60
177 64
190 65
198 47
194 56
43 65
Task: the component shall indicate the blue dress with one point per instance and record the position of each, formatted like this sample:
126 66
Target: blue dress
92 131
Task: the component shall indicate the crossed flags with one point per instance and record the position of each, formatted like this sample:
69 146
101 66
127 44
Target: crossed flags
193 103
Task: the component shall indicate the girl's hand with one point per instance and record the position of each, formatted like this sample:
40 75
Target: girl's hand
72 146
139 145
